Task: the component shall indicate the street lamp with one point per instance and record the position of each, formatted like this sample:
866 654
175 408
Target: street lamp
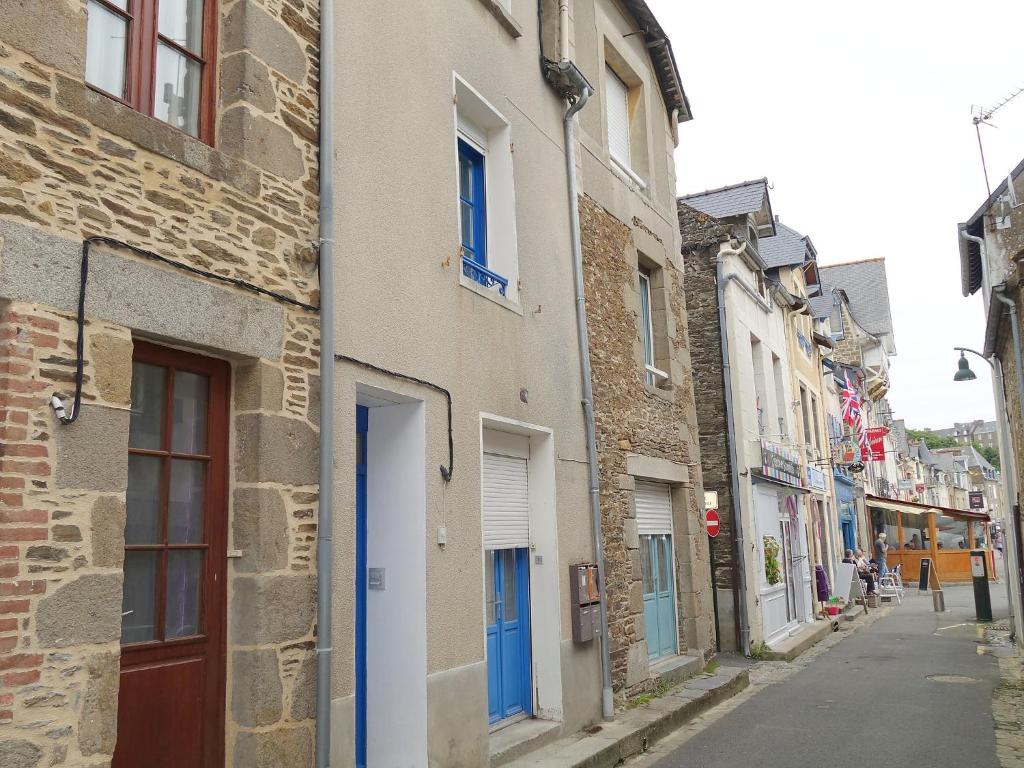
964 372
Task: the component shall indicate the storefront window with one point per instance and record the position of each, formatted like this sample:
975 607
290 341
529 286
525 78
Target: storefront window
952 533
915 531
980 530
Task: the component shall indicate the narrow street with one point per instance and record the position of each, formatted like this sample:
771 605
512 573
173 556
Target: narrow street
911 688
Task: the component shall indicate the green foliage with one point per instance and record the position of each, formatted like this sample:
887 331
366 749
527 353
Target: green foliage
931 439
711 667
991 454
772 571
758 651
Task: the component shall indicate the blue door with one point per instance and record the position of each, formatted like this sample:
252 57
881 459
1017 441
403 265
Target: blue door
849 540
509 678
659 595
362 422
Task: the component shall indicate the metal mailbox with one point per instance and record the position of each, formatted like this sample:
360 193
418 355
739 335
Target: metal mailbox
585 593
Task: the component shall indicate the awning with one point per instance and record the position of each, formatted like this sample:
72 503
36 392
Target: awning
760 477
914 507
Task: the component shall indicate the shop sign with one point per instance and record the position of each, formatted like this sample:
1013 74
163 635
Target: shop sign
846 451
815 479
976 500
906 485
781 463
876 443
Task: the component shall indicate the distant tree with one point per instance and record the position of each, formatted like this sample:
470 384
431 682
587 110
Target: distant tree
991 454
931 439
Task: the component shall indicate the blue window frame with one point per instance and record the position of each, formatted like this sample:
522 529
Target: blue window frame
473 219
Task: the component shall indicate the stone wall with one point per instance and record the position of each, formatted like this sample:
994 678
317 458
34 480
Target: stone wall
633 418
701 237
73 164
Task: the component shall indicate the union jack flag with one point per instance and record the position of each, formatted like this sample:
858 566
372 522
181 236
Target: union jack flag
851 402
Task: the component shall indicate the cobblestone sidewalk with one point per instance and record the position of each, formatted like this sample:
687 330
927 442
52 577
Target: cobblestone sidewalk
1008 710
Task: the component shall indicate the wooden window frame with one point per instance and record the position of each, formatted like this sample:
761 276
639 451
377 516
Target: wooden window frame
142 21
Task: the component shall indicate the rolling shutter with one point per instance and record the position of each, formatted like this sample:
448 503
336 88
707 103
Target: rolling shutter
506 508
617 107
653 508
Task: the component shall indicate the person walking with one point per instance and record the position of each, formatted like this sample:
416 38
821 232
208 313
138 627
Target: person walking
881 548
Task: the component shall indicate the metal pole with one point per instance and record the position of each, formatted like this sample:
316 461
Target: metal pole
325 515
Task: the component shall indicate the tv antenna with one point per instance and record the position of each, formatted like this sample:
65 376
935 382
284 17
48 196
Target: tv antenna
982 115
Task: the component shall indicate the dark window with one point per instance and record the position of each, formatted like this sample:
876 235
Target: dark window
156 56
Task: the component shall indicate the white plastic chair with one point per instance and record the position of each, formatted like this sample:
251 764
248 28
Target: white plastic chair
891 585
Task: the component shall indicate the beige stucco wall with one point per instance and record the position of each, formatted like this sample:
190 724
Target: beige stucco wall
400 304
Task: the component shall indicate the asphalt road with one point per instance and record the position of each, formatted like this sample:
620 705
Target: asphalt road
871 700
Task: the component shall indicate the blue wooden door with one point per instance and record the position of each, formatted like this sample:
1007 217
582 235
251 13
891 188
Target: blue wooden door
656 566
362 423
509 675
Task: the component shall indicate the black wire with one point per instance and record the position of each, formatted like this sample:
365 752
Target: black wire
80 341
446 472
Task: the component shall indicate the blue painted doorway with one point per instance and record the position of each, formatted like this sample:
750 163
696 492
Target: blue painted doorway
509 664
362 424
659 595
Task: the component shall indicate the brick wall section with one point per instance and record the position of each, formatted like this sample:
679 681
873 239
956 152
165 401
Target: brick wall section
74 163
630 418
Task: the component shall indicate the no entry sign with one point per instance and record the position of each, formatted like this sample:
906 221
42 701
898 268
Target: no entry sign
712 522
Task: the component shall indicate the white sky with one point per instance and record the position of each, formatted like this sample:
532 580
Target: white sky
860 117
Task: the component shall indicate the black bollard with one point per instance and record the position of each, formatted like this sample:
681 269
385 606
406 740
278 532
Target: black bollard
979 574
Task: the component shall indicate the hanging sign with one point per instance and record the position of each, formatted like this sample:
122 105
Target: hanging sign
976 499
815 479
781 463
919 488
876 443
905 485
845 452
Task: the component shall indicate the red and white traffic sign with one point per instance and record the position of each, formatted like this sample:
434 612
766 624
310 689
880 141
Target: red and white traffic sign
712 523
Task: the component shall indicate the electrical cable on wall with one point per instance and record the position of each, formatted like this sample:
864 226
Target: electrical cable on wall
58 405
55 401
446 472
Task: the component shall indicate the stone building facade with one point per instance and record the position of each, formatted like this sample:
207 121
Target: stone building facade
644 398
240 206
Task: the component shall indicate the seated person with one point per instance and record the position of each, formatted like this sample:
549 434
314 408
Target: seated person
862 569
914 543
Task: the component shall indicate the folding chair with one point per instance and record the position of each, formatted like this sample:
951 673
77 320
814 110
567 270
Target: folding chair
887 587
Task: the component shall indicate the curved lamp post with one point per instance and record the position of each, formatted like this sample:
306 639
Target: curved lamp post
964 373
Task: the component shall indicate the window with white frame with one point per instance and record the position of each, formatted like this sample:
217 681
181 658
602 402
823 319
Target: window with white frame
617 108
486 194
651 335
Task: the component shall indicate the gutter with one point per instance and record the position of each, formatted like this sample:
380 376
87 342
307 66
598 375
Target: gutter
583 91
739 554
325 513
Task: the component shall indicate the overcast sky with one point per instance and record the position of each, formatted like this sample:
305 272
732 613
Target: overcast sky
860 117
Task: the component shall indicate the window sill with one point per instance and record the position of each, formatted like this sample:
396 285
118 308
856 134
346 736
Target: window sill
504 17
490 294
628 173
149 133
663 393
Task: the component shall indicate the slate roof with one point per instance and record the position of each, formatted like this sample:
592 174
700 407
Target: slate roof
786 248
867 288
735 200
970 254
899 433
821 306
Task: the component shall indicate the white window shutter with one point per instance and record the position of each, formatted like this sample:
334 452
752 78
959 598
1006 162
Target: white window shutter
617 107
653 508
506 507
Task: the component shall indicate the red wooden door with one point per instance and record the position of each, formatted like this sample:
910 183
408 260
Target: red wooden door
171 701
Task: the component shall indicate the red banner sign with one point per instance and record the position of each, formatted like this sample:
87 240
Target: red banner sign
876 443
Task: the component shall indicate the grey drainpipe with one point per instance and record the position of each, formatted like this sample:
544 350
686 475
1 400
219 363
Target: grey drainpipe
583 339
740 588
325 516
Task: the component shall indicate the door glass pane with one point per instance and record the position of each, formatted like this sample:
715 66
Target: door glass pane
106 42
509 607
176 98
466 211
664 563
489 594
466 179
149 394
182 22
646 564
185 505
184 572
138 605
188 426
143 500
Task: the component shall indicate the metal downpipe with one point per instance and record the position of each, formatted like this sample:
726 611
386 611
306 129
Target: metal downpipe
583 339
740 588
325 515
